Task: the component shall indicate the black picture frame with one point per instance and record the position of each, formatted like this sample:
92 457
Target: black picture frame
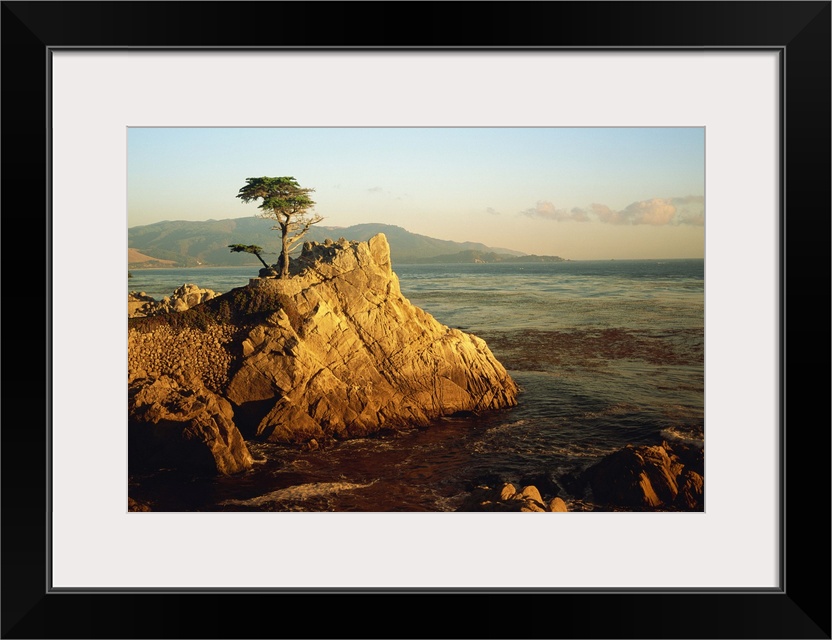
799 31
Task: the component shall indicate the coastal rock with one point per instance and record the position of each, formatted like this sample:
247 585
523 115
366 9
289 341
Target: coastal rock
185 297
183 425
135 505
557 505
691 496
645 476
345 354
506 498
137 303
690 455
334 351
544 481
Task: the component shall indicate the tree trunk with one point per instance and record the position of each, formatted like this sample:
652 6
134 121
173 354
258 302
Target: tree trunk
261 260
284 255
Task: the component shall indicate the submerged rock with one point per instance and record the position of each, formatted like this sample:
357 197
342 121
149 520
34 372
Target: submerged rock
336 351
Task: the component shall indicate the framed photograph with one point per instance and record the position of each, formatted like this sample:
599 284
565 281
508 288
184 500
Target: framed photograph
85 81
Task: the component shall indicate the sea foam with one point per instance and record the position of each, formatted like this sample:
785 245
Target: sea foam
298 493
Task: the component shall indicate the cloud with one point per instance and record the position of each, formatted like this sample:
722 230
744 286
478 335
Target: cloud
655 212
689 200
492 211
546 210
690 210
579 214
375 189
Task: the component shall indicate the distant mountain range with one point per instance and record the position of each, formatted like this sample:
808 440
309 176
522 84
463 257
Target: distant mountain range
189 244
470 256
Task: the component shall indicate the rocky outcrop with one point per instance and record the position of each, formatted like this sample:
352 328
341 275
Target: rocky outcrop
183 425
137 303
335 351
691 491
648 477
347 355
141 305
506 498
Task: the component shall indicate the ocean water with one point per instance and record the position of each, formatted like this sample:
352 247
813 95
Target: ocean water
606 353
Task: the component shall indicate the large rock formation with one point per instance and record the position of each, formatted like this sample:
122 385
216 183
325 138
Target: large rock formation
334 351
347 354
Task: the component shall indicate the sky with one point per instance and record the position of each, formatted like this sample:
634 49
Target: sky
579 193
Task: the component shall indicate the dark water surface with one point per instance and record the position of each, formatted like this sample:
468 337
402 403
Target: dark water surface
606 353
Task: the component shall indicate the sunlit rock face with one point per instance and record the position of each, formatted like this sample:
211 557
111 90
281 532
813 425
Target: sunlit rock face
347 354
335 351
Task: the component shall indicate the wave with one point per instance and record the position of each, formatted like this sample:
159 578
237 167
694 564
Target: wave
688 435
298 493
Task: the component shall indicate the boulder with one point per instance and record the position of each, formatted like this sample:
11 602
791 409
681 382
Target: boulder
179 424
506 498
644 476
691 496
544 481
557 505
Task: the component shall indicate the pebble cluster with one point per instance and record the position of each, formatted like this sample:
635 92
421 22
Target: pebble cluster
190 352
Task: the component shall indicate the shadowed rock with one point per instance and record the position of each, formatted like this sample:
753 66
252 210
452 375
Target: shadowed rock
184 426
691 494
646 477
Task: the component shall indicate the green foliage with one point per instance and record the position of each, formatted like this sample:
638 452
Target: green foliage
248 301
199 317
248 248
243 307
282 199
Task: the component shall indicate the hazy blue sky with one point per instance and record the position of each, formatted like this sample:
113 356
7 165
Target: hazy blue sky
580 193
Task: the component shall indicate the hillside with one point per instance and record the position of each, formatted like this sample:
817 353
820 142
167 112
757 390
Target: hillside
480 257
139 259
190 244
